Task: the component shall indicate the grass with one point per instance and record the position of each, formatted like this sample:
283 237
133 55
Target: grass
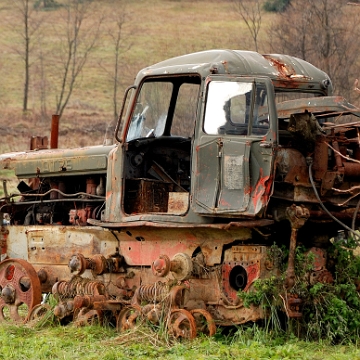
43 338
94 342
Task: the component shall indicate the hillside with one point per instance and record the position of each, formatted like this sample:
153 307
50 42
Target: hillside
151 30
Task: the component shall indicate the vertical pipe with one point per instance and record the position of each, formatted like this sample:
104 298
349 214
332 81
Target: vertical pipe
54 137
320 164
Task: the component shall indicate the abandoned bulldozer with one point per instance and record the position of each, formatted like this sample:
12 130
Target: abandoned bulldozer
217 156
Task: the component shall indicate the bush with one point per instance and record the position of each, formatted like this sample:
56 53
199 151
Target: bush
46 4
330 311
276 5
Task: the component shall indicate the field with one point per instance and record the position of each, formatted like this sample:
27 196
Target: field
153 30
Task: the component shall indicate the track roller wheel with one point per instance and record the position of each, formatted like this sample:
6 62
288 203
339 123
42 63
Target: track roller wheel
39 311
181 324
20 290
205 323
85 317
128 317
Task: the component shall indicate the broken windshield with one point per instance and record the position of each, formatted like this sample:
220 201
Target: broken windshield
149 117
165 107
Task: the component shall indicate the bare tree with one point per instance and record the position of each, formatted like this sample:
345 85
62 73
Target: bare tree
121 46
290 34
81 34
41 81
120 39
30 31
316 31
250 13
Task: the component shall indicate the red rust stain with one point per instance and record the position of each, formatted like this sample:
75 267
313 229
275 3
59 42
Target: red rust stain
268 188
224 203
9 272
288 83
260 188
3 241
253 272
226 65
284 69
338 99
137 253
248 190
229 291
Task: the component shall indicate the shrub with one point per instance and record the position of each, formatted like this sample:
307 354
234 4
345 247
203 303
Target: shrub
276 5
329 310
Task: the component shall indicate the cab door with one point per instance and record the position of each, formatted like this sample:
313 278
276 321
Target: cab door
234 147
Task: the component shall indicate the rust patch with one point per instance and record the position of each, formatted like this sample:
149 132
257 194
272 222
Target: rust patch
260 190
236 276
284 70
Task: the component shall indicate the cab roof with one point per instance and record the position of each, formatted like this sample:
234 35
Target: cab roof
286 72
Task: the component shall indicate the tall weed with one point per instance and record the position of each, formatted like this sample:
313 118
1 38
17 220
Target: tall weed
330 311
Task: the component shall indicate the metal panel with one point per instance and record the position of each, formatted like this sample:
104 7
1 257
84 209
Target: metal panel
207 175
235 190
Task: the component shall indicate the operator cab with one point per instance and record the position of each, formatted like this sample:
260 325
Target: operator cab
201 134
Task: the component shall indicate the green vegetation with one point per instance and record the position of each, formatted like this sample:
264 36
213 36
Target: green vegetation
95 342
276 5
330 310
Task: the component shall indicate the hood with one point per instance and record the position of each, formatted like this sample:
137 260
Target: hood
57 162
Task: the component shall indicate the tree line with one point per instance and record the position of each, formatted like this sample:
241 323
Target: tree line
322 32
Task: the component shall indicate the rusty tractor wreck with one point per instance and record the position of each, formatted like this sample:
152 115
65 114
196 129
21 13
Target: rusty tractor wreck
217 155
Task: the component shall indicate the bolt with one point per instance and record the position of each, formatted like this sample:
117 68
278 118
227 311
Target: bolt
74 264
8 294
42 275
